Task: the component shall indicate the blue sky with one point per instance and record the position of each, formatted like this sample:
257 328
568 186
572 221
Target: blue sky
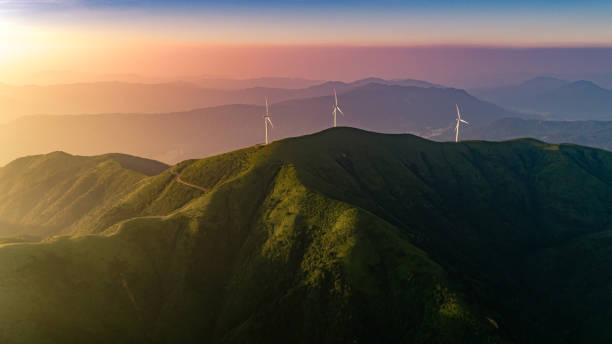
521 22
63 31
381 5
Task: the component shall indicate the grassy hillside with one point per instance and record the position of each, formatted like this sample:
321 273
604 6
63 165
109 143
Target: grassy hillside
53 193
260 258
342 236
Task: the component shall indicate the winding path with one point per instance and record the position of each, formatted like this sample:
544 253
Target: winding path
124 282
178 179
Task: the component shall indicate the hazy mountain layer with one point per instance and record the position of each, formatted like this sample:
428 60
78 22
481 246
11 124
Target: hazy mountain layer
519 93
200 133
125 97
554 99
587 133
314 239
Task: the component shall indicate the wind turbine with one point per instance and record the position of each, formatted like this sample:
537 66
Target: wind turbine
336 108
267 119
459 120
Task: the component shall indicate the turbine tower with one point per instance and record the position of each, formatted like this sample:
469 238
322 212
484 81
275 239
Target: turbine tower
267 119
459 120
336 108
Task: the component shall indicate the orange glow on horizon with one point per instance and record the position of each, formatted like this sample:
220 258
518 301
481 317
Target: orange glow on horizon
242 45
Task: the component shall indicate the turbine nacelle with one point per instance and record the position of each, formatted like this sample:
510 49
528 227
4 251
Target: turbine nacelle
268 119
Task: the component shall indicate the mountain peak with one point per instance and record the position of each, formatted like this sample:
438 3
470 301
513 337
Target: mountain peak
584 84
395 82
369 80
137 164
544 81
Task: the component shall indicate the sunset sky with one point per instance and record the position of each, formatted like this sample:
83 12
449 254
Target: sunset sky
437 40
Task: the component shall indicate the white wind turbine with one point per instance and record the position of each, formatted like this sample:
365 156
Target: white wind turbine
267 119
459 120
336 107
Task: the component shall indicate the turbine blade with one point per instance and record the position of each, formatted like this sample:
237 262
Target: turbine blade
335 97
464 121
270 120
458 111
342 113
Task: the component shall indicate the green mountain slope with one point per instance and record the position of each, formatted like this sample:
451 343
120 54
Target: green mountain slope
341 236
51 194
258 259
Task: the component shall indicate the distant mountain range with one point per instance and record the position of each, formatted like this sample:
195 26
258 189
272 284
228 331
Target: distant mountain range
58 77
344 236
239 84
554 98
199 133
525 90
604 80
115 97
587 133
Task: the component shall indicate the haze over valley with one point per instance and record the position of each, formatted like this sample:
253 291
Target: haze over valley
203 132
231 118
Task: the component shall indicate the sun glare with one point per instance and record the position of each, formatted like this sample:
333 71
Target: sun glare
10 36
3 38
24 46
